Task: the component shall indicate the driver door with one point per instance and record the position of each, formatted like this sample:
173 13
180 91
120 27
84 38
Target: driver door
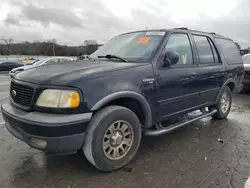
178 84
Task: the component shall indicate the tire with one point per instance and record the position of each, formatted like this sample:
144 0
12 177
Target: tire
223 113
101 122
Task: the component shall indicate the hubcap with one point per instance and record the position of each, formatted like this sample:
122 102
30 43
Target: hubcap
225 102
117 140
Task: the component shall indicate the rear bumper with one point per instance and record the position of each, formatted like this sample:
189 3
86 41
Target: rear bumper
238 88
246 84
52 133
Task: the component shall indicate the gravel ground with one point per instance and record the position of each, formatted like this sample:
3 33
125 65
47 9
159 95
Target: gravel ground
189 157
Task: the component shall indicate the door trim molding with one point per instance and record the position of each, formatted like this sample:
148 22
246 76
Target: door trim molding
179 98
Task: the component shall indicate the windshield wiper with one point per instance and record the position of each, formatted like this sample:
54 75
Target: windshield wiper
109 56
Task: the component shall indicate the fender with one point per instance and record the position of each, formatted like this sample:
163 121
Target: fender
224 85
128 94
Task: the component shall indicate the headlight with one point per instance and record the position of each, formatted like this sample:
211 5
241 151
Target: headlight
54 98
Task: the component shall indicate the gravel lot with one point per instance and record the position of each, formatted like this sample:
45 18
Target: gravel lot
189 157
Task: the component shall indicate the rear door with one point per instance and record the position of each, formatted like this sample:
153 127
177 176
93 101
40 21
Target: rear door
212 71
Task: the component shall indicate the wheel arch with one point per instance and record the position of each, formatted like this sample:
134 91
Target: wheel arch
230 83
143 104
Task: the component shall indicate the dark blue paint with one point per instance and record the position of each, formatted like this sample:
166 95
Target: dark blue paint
172 90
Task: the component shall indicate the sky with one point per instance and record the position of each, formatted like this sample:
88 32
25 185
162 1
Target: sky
71 22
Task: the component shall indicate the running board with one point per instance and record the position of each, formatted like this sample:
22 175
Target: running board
178 125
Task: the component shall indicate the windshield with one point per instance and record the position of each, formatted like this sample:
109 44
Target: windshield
40 62
139 46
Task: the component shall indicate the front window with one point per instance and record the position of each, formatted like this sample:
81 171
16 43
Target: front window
180 43
51 61
40 62
138 46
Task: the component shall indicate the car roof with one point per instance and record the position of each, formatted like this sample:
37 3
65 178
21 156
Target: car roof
182 29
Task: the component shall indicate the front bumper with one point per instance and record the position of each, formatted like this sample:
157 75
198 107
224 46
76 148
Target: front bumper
62 133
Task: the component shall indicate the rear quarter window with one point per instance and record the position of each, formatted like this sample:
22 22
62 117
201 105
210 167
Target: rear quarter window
229 50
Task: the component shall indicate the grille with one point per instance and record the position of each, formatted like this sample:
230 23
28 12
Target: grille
21 94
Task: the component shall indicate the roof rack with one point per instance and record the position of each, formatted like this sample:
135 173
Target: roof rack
183 28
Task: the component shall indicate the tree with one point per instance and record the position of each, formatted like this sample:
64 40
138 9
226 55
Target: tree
91 46
53 43
238 45
54 50
8 43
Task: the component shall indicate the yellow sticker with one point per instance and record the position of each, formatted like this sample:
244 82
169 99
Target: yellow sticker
143 40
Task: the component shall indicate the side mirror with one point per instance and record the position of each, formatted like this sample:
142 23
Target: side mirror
170 58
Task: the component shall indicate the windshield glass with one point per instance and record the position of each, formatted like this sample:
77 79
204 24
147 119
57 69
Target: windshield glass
138 46
39 62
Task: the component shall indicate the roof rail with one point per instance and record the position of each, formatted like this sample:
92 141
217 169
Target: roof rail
213 33
184 28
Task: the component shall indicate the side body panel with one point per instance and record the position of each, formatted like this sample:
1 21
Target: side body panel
137 83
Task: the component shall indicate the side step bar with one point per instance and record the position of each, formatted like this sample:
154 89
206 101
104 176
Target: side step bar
177 125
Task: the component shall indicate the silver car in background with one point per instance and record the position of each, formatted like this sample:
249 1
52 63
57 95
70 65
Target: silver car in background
39 63
246 61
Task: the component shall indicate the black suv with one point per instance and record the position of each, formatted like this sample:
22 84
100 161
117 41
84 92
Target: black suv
128 87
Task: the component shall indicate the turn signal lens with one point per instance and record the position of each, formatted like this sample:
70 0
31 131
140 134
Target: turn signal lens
69 99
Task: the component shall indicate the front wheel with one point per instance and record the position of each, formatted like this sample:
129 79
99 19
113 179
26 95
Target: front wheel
223 106
112 138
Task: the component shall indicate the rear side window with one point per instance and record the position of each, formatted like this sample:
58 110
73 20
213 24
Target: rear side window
206 50
229 50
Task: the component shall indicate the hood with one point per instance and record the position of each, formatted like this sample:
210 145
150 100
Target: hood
247 67
69 73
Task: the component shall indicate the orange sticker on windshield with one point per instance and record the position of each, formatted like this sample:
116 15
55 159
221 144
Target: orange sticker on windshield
143 40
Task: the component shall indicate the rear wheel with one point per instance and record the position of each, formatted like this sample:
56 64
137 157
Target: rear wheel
223 105
112 138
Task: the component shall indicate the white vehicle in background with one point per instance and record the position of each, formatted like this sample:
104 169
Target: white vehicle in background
246 81
39 63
